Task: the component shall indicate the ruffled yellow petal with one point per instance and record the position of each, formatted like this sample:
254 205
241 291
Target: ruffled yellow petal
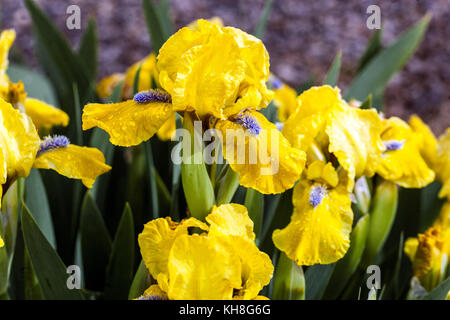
304 125
19 142
265 161
74 162
320 233
128 123
285 99
215 20
354 138
442 164
7 38
107 85
202 268
231 219
427 142
167 130
45 115
206 67
404 166
157 239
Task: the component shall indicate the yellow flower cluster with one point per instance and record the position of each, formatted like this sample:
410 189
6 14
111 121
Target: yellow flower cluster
220 74
217 73
343 143
21 148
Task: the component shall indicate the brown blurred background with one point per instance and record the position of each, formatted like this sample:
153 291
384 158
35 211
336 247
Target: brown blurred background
302 38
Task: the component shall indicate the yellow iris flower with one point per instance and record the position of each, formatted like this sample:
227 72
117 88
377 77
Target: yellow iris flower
219 73
6 40
402 161
325 120
429 251
219 262
320 226
42 114
21 149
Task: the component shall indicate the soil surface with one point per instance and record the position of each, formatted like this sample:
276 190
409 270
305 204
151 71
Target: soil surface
302 38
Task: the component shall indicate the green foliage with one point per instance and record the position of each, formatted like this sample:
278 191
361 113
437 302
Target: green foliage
333 73
49 268
263 20
376 74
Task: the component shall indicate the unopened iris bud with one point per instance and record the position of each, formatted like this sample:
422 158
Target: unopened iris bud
194 176
382 214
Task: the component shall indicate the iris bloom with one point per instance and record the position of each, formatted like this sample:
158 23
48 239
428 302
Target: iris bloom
429 253
323 120
218 262
42 114
320 226
402 161
21 149
218 73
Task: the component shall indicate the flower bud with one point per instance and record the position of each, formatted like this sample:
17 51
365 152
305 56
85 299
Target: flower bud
289 281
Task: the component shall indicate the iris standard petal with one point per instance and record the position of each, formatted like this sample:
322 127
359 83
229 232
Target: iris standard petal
157 239
201 267
305 124
403 165
6 40
354 138
208 68
231 219
19 142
